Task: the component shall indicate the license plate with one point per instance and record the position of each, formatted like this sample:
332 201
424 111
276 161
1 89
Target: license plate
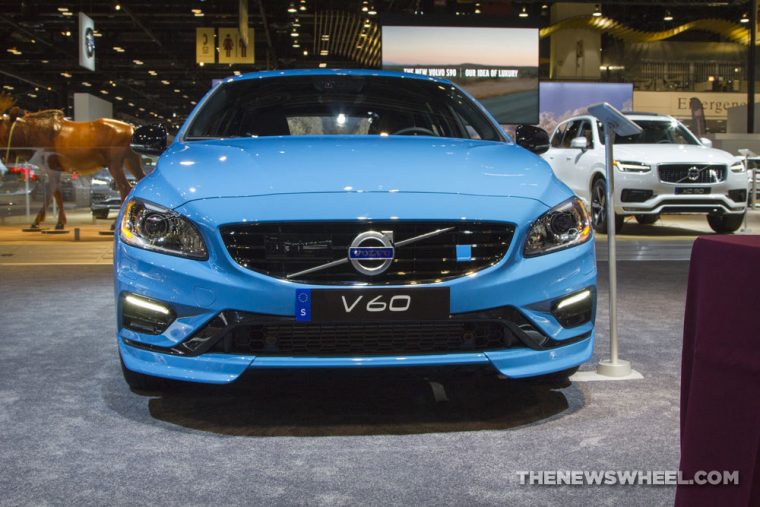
692 190
365 305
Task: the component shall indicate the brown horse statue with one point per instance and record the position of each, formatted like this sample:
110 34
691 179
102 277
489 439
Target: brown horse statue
62 145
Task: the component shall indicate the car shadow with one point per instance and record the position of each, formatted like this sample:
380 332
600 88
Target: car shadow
342 403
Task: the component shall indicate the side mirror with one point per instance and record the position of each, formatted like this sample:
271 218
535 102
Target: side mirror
706 142
579 143
532 138
149 140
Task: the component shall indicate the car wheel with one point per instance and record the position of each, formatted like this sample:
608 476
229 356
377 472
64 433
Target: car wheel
100 213
141 382
599 208
647 219
725 224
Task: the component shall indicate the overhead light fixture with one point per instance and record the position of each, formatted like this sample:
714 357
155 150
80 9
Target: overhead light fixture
668 16
14 51
292 8
201 64
597 11
117 6
294 34
104 92
323 52
192 102
119 49
523 12
8 87
322 65
137 62
177 90
196 11
198 14
63 9
67 33
85 83
745 18
365 6
306 52
119 98
68 13
302 7
164 81
152 72
65 74
131 104
237 73
142 109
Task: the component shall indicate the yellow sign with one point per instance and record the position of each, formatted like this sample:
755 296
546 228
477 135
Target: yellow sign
204 45
232 49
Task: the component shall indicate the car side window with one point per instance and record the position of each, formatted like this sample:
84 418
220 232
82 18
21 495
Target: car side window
571 133
585 131
557 137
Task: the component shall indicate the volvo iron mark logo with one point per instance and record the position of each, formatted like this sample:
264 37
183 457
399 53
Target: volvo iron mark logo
693 173
371 252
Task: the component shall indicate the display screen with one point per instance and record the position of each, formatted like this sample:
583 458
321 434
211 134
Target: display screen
498 66
560 101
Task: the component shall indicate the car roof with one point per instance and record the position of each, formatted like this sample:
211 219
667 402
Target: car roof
336 72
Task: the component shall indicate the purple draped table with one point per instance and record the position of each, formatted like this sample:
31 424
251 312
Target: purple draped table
720 371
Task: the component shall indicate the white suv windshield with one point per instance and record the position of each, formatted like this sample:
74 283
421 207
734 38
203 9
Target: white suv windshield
656 132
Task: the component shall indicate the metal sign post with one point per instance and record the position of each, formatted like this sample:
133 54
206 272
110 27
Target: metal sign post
614 123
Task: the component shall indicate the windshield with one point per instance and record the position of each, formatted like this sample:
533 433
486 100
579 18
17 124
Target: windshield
656 132
339 105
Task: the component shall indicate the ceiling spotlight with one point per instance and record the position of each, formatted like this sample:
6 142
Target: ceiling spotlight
668 16
745 18
119 49
322 65
65 74
292 8
597 11
67 33
294 34
68 13
137 62
152 72
117 7
164 81
85 83
201 64
323 52
14 51
365 6
63 9
237 73
523 12
119 98
131 104
104 92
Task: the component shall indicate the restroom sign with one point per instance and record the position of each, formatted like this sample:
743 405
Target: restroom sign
232 49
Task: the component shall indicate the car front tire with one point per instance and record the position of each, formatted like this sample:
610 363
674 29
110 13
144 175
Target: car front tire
599 208
647 219
725 224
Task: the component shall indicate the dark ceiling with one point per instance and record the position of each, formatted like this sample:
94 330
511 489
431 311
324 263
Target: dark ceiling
145 50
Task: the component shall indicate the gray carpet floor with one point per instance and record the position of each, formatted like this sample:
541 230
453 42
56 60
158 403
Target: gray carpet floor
74 434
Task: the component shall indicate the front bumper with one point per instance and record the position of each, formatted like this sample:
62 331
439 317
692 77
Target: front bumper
663 198
199 291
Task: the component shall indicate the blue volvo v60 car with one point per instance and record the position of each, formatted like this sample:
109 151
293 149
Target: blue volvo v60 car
348 219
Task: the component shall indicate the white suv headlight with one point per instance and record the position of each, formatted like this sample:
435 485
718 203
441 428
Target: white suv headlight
561 227
632 167
737 167
152 227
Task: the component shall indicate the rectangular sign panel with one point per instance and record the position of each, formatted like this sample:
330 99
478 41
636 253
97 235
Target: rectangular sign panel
562 100
232 49
498 66
86 42
205 47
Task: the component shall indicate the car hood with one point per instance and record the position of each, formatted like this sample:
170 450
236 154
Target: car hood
293 165
671 154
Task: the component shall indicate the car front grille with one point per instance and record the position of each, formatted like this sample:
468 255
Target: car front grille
692 173
312 340
288 248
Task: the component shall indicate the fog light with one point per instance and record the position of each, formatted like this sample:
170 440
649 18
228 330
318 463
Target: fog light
575 309
145 315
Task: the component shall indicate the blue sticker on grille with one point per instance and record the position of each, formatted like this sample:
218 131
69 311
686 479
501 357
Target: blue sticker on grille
303 305
464 253
372 252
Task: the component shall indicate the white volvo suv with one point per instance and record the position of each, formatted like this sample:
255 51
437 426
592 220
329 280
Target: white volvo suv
665 169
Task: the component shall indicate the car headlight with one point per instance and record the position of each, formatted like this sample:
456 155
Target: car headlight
152 227
632 167
561 227
737 167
